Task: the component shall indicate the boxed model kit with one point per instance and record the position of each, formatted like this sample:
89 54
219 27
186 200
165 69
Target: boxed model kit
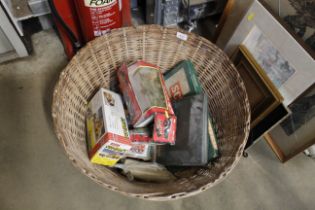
143 88
107 129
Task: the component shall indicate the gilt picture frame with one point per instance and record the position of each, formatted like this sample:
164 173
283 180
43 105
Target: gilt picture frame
262 93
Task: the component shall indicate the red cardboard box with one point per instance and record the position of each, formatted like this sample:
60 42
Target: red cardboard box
143 88
163 131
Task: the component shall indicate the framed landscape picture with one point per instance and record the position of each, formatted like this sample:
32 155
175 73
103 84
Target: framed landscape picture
297 132
262 94
264 98
278 69
284 56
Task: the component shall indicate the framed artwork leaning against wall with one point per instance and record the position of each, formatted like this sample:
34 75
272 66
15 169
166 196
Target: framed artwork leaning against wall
264 98
262 94
280 53
297 132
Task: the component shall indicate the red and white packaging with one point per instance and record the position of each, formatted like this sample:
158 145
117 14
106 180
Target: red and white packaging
164 128
140 135
140 151
143 88
107 129
163 131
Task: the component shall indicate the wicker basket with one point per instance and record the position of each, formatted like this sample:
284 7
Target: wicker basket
95 66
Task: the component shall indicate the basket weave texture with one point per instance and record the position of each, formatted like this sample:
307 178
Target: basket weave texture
95 66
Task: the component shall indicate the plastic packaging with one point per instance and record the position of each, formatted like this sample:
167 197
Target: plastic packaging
145 171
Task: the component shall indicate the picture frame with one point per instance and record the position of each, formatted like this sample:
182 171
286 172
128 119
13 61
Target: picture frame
271 121
226 12
249 14
262 93
277 68
295 133
295 16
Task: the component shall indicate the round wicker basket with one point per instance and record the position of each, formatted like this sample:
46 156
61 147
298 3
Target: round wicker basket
95 66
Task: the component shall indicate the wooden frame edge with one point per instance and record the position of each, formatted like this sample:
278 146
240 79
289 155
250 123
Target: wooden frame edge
275 148
261 73
225 14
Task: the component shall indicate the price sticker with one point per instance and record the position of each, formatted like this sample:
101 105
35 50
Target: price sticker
182 36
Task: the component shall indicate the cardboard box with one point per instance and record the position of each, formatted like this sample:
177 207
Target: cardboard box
143 88
107 129
141 135
191 148
182 80
164 129
162 132
141 151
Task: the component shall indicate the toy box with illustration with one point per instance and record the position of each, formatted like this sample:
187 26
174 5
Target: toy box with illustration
141 134
107 129
141 151
143 88
182 80
163 130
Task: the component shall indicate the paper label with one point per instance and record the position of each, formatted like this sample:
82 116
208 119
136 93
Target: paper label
115 147
98 3
110 153
251 16
181 36
115 121
104 15
139 151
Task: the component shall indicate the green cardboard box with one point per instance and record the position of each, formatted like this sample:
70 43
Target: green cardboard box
182 80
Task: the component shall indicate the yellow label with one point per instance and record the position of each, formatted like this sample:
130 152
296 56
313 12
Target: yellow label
251 16
107 160
91 134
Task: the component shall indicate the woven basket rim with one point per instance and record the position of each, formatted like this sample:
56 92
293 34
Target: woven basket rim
152 196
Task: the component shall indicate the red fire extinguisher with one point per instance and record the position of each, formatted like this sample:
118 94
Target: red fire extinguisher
67 24
96 17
